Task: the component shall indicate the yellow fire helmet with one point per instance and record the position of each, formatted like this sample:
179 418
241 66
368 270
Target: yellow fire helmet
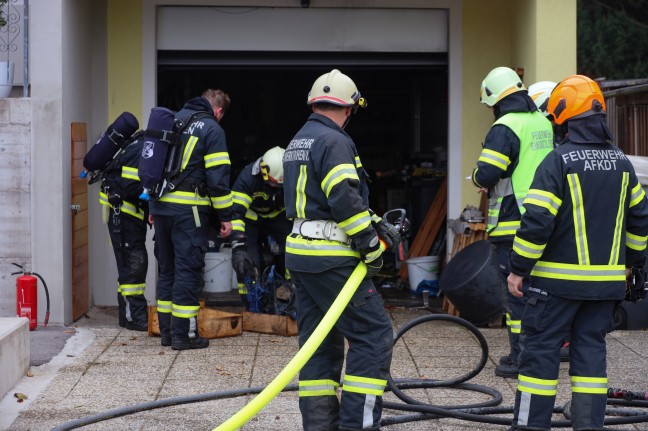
272 166
499 83
336 88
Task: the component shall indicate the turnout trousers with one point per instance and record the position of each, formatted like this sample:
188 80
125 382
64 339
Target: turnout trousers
514 306
181 247
128 238
367 328
546 321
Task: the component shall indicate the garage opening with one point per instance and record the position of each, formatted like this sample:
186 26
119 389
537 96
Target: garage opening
402 136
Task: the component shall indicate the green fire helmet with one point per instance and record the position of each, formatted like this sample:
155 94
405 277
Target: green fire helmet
498 84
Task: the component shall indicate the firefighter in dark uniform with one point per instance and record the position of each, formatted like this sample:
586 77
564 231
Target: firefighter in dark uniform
181 220
127 219
259 212
514 146
586 220
326 195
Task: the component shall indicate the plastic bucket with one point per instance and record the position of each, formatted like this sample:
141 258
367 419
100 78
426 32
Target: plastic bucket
421 269
472 280
218 271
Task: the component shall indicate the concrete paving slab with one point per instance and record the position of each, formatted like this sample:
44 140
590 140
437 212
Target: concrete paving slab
119 368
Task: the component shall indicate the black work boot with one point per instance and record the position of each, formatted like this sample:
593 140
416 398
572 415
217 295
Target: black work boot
122 310
505 360
184 334
508 371
164 322
136 313
564 352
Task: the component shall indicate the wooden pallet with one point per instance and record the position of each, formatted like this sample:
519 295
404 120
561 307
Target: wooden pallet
269 324
211 323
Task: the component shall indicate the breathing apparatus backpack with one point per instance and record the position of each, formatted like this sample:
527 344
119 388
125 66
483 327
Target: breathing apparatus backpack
160 163
115 138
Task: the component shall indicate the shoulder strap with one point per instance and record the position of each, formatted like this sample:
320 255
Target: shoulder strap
111 165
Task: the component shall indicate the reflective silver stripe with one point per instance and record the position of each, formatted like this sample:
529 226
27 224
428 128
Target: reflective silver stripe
525 409
367 411
576 272
549 203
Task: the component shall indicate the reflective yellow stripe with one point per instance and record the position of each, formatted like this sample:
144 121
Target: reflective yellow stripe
339 173
318 247
132 289
528 249
163 306
242 289
363 385
505 228
130 173
241 199
508 319
131 209
317 388
358 163
494 158
515 326
251 215
578 212
185 311
272 214
543 199
568 271
300 201
637 195
535 386
217 159
220 202
589 385
636 242
185 198
191 144
238 225
355 224
616 239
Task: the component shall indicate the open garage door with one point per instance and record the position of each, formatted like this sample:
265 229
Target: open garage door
397 58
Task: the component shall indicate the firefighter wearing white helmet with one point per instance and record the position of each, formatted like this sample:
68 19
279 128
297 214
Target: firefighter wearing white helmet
515 145
540 92
327 196
259 213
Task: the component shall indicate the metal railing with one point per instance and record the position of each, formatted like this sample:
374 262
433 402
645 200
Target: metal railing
16 14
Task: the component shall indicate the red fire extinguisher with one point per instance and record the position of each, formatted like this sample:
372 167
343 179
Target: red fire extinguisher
27 297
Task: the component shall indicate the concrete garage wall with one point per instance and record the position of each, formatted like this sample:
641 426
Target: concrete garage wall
15 211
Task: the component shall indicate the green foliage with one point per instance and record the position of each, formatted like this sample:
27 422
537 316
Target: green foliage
613 39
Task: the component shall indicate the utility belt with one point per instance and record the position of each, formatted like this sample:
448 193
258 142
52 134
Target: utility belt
320 229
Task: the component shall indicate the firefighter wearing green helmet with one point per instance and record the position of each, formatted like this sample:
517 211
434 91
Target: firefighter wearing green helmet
327 198
515 145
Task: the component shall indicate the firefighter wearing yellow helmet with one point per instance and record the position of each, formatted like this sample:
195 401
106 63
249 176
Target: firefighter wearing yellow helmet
586 221
515 145
328 198
259 214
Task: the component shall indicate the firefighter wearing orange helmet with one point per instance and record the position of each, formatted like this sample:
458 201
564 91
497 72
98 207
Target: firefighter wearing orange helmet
586 221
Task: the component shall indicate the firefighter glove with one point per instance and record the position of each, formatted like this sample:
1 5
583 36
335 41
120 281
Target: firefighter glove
239 255
389 234
372 257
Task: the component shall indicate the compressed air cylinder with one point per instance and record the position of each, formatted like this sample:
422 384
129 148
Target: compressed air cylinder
110 142
155 148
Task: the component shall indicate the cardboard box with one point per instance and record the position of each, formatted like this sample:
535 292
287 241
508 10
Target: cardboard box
211 323
269 324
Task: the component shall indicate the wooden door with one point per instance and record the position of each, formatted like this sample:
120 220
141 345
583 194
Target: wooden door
79 211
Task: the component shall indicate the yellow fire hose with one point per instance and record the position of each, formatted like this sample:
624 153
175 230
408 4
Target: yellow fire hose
300 359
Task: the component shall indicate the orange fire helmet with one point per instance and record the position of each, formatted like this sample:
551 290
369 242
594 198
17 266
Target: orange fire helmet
576 96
